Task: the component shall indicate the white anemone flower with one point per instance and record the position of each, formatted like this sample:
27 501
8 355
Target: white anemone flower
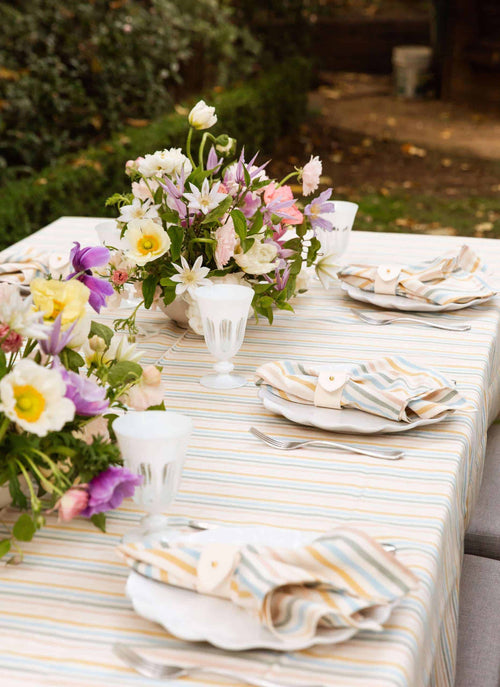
147 241
326 269
120 349
19 315
138 210
205 200
190 278
34 398
202 116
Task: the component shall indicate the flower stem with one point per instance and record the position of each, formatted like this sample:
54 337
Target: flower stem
202 148
4 425
188 145
288 176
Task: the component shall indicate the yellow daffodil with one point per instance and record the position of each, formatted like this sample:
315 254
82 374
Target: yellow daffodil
34 398
67 298
147 241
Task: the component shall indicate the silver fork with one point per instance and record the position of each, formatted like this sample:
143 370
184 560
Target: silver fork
390 454
371 319
168 671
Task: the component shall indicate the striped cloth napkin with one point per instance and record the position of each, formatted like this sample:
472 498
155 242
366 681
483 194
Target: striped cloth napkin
393 388
22 264
342 581
455 277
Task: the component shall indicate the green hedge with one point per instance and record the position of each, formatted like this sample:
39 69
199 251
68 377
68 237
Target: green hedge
256 113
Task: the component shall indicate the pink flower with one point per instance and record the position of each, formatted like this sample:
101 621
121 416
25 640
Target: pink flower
226 243
12 342
311 174
97 427
4 330
119 277
141 190
72 503
148 391
132 165
282 194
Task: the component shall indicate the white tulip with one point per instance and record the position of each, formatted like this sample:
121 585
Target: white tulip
202 116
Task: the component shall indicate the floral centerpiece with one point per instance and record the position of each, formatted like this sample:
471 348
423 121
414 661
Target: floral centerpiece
196 219
62 379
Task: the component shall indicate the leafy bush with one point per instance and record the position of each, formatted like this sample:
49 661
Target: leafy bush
75 72
258 112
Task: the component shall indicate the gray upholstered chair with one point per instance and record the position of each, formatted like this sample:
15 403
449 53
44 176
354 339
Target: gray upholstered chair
478 653
483 536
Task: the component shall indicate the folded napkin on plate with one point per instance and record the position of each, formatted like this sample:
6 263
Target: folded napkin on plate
456 277
20 265
343 580
394 388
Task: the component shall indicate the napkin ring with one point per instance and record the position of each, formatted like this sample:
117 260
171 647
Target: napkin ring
216 565
387 279
329 388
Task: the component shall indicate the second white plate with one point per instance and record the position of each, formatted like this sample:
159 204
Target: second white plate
390 302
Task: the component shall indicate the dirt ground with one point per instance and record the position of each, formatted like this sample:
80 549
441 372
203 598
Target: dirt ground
412 165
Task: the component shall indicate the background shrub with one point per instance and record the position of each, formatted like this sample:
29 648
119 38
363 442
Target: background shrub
72 73
256 113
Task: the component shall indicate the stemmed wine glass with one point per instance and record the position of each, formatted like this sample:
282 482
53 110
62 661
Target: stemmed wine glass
336 240
153 444
224 313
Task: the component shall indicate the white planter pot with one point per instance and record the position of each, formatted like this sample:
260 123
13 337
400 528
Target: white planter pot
177 311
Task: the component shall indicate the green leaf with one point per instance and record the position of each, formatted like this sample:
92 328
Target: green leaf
71 359
3 364
240 224
4 547
248 180
99 520
18 498
98 329
24 528
261 288
197 176
176 235
148 289
220 210
169 215
124 372
312 251
119 199
258 223
266 302
160 406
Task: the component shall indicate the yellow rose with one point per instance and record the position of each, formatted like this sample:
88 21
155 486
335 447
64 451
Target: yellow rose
52 297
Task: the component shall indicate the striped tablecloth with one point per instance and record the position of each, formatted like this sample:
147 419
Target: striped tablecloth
64 607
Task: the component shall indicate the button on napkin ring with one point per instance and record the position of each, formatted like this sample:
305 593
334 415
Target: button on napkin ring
329 388
215 567
387 279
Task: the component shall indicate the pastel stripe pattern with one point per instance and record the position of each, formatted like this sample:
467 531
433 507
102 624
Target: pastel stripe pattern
22 265
394 387
64 607
456 277
344 580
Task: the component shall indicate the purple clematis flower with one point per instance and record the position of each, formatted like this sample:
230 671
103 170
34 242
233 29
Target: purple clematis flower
57 340
213 162
83 260
89 398
108 489
318 207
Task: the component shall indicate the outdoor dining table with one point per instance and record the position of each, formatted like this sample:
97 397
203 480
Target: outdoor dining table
62 609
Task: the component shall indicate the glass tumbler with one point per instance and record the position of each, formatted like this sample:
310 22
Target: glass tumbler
335 242
153 444
224 313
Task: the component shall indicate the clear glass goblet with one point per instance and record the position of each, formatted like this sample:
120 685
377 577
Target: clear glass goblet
336 241
224 313
153 444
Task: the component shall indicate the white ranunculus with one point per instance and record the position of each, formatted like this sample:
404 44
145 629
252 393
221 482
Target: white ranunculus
304 279
34 398
169 161
202 116
259 259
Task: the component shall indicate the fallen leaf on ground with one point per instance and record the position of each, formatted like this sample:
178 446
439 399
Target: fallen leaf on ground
445 134
446 162
414 151
138 123
484 226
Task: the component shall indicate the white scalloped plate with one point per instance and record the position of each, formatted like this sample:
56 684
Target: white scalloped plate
200 618
345 421
390 302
